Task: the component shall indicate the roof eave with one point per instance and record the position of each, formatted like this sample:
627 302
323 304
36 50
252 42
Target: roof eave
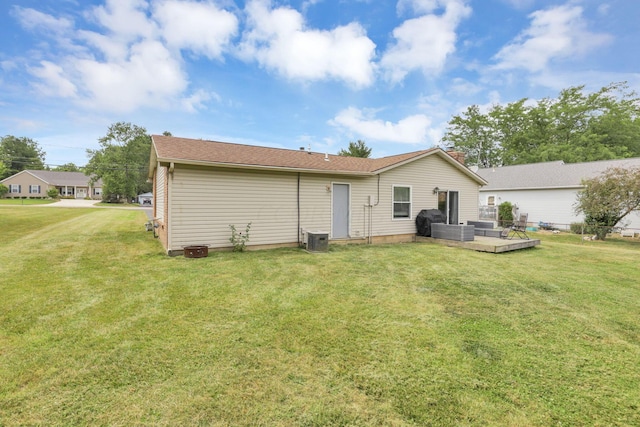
559 187
153 160
263 167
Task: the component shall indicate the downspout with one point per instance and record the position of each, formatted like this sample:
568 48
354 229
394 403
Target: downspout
371 206
167 208
298 201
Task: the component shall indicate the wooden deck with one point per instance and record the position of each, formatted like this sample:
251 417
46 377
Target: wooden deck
485 244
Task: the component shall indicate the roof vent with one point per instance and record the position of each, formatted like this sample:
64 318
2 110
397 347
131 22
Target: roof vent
301 148
326 157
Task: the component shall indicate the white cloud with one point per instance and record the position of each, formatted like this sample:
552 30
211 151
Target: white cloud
278 40
133 57
111 48
149 77
129 67
197 100
419 6
32 19
461 86
410 130
604 9
200 27
424 43
126 19
54 81
8 65
558 32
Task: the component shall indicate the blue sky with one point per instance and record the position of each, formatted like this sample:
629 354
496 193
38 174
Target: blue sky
316 73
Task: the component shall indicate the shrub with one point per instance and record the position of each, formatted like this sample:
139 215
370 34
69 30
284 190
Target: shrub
53 193
505 214
239 240
586 228
577 227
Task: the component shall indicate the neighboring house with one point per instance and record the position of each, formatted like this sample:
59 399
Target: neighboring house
145 199
546 191
202 187
36 184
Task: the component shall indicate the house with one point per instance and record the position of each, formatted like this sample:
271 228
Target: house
546 191
203 187
36 184
145 199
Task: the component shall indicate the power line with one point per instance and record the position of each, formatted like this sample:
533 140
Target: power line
113 167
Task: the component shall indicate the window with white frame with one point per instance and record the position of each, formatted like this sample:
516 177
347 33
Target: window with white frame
401 201
34 189
14 188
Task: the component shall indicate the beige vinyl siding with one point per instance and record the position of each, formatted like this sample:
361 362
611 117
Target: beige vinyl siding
25 180
161 173
422 175
206 201
316 199
361 188
315 202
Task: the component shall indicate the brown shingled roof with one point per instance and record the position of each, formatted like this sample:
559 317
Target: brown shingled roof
169 148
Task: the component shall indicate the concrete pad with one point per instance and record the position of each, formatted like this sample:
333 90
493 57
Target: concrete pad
71 203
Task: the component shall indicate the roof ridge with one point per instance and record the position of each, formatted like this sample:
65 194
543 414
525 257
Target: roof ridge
287 149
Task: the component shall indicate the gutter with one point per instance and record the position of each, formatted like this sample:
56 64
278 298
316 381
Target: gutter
561 187
267 168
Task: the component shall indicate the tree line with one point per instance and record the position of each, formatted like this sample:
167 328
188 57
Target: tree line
574 127
121 162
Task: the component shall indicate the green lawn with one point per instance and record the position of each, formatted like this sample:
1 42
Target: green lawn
26 201
98 327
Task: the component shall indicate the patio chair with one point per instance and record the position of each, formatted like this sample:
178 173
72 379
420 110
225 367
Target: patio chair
519 228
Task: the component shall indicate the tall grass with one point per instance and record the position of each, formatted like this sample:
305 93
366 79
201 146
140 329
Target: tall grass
97 326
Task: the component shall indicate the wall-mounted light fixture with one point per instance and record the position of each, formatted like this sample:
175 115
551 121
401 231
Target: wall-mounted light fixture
435 190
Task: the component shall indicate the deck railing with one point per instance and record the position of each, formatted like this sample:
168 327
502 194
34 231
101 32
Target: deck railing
488 213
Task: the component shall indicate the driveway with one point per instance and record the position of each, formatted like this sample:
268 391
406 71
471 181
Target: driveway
72 203
82 203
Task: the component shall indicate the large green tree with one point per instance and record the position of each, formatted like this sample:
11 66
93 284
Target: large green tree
122 161
18 154
473 133
356 149
574 127
608 198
